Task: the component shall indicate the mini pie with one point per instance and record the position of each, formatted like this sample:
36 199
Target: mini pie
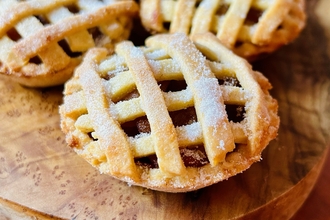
41 42
174 115
248 27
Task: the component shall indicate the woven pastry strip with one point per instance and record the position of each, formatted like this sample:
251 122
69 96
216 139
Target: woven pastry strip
111 138
152 102
247 27
42 41
209 104
126 87
247 81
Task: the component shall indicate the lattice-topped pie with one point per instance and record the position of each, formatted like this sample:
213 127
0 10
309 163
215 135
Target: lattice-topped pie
250 27
174 115
41 42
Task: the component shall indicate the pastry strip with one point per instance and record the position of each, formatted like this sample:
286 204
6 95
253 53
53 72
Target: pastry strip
233 21
69 26
270 21
182 16
24 9
248 81
204 13
152 102
250 28
111 137
236 89
209 103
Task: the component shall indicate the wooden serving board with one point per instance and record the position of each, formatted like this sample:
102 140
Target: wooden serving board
43 178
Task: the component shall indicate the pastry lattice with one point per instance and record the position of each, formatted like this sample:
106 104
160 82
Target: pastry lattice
98 103
248 27
41 42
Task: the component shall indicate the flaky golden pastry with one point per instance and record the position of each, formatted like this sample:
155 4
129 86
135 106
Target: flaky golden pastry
175 115
250 28
41 42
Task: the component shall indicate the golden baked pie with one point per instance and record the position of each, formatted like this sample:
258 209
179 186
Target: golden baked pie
248 27
41 42
174 115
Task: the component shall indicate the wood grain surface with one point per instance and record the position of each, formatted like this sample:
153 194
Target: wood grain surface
40 177
317 204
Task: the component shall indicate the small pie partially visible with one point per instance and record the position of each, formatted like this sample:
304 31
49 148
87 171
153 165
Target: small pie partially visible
250 27
175 115
41 42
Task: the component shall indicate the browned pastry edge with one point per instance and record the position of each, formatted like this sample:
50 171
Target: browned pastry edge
255 48
235 162
20 69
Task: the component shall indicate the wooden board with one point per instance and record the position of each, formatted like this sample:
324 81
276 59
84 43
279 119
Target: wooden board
41 177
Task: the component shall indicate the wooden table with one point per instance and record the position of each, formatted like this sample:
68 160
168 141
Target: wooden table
41 177
317 205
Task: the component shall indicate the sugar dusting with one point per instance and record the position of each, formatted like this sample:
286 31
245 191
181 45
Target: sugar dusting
156 54
222 145
192 132
210 105
196 155
201 80
113 64
181 96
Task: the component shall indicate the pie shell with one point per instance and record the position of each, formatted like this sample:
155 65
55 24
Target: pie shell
93 111
31 33
251 29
